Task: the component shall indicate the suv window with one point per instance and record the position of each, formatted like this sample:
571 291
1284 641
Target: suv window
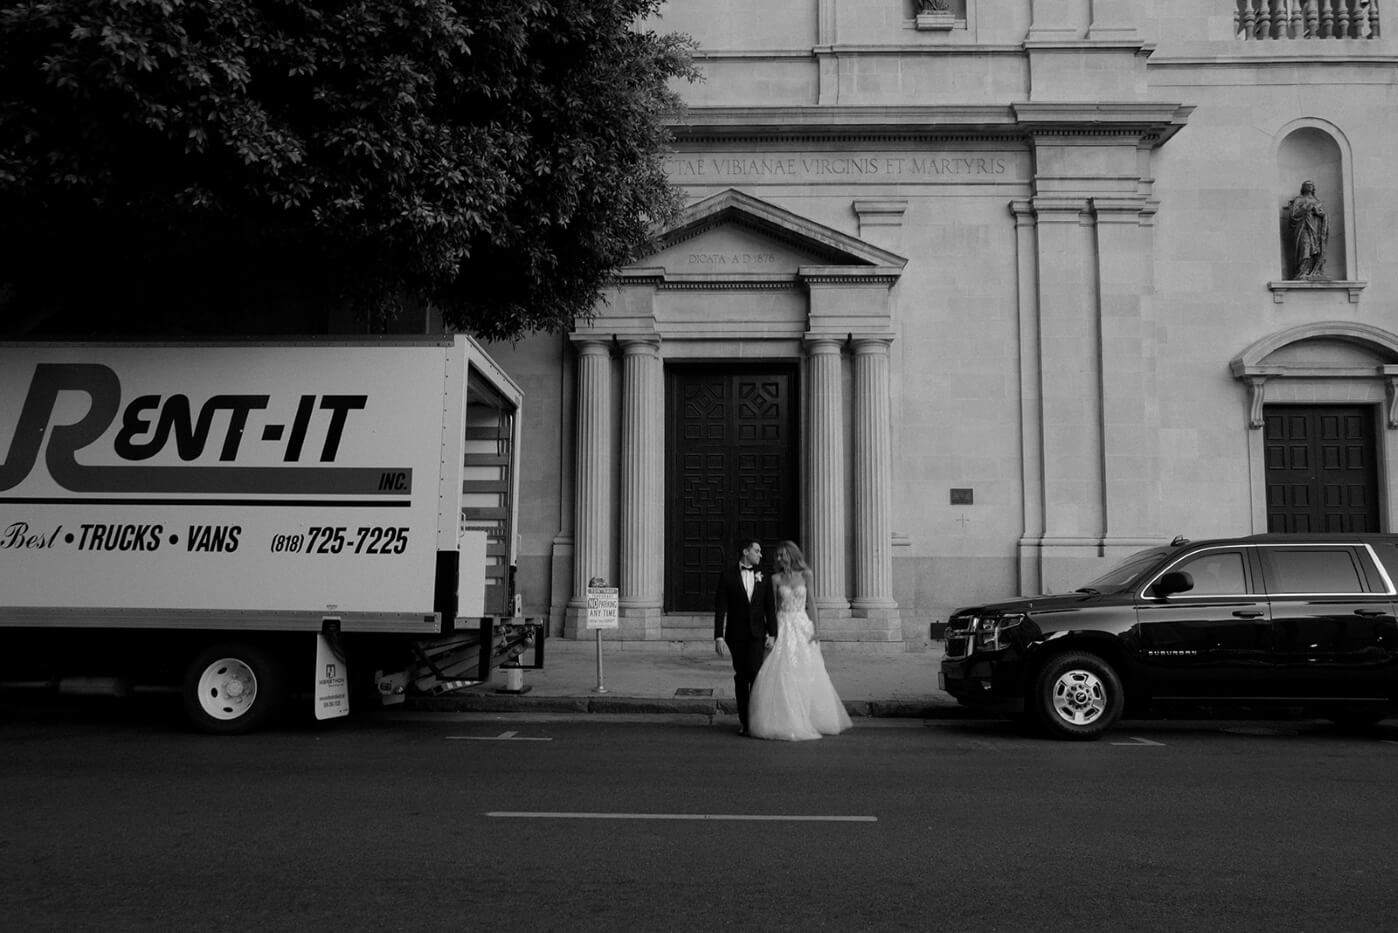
1322 570
1217 573
1122 574
1388 554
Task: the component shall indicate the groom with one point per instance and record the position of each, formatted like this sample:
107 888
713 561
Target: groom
744 597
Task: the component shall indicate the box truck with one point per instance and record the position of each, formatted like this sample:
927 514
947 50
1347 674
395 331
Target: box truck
258 521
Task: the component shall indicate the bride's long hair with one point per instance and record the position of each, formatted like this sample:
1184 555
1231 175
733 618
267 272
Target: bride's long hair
790 555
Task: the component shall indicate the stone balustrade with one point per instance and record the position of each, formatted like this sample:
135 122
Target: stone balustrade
1306 19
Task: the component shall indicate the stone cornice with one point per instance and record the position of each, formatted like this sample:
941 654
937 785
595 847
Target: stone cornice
1089 45
1020 122
907 48
816 122
886 276
846 276
1229 53
1152 121
738 283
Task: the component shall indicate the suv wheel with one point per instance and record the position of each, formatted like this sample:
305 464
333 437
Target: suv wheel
1077 695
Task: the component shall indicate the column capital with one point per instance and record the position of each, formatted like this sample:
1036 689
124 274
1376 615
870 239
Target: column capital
638 345
824 342
592 344
1053 208
871 344
1023 211
1132 210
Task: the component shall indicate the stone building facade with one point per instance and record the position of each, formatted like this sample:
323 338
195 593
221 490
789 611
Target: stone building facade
975 297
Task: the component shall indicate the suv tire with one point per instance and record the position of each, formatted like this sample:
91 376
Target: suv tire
1077 695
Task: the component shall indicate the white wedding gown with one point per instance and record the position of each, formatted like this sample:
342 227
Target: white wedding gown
792 698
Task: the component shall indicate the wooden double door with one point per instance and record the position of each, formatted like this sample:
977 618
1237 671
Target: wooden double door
1322 474
732 460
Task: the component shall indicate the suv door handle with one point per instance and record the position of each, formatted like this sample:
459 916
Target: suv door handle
1371 613
1249 613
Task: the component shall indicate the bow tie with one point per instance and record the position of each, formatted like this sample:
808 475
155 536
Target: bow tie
747 569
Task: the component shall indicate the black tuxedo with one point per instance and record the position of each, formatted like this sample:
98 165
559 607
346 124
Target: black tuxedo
743 624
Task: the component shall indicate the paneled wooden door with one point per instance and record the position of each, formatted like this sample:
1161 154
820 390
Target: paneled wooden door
1321 470
731 471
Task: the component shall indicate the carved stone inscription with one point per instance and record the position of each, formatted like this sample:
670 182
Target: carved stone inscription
709 261
944 167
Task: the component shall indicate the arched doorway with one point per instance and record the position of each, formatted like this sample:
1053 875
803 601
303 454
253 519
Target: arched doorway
1323 409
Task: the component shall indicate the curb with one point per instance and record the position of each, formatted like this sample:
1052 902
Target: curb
912 708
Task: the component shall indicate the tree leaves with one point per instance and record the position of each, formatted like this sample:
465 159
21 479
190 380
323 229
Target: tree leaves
496 159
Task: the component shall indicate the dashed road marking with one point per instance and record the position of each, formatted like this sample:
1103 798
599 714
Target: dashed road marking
1136 740
502 737
754 817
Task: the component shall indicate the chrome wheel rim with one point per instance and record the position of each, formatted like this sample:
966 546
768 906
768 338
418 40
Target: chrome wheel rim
1079 697
227 689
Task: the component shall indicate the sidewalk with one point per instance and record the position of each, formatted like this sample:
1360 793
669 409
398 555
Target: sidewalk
687 677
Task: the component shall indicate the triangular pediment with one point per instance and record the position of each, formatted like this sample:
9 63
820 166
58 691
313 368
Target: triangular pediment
736 234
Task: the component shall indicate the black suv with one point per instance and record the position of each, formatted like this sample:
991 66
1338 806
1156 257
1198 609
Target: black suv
1301 620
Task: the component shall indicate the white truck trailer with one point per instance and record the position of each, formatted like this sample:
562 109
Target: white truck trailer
250 522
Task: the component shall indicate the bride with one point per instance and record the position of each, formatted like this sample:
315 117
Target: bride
792 698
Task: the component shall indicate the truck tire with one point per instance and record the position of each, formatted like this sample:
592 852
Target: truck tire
232 689
1077 695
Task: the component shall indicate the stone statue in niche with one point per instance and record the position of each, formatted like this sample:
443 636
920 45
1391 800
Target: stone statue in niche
1310 231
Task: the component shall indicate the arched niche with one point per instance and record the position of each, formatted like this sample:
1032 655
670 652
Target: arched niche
1314 151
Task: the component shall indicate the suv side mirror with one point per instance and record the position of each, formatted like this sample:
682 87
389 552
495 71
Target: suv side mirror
1176 581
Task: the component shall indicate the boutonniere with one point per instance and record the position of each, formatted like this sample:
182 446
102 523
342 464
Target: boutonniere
757 575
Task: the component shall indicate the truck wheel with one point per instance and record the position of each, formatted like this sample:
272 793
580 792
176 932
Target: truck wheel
1077 696
231 689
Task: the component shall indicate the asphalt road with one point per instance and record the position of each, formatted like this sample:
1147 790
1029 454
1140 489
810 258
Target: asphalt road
114 818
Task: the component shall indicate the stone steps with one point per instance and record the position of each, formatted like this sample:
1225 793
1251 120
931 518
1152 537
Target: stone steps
687 628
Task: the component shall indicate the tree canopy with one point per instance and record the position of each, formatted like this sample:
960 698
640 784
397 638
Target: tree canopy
174 163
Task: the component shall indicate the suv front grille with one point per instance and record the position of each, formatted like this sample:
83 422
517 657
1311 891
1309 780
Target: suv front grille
959 639
958 647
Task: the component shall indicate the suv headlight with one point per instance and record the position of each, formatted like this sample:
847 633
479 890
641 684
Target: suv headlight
989 631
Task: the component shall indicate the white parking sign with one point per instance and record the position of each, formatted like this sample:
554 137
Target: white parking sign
602 607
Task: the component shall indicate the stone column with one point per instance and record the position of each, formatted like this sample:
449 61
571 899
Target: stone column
825 511
1031 428
592 523
873 480
642 487
1070 389
1131 436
